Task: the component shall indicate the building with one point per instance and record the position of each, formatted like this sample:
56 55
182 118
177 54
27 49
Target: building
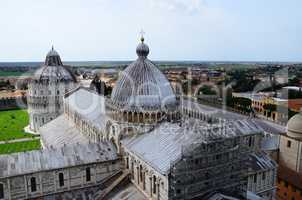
290 160
193 160
170 148
289 185
262 175
278 110
291 144
47 172
46 90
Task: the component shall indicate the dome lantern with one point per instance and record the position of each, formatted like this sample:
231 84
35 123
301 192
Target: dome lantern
142 50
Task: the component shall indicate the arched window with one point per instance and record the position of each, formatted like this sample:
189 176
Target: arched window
141 173
113 130
88 174
250 141
154 184
1 191
61 179
127 163
33 184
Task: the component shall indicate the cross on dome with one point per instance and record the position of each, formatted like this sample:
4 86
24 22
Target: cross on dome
142 33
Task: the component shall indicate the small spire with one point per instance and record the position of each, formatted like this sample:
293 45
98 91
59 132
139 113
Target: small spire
142 33
52 47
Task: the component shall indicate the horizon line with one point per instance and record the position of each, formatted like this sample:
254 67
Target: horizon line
193 60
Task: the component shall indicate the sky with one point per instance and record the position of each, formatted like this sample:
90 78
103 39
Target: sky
215 30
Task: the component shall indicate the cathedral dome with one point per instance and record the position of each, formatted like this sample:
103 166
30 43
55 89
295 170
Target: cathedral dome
294 126
142 86
53 69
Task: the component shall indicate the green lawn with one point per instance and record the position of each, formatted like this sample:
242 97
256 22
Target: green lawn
20 146
13 73
12 123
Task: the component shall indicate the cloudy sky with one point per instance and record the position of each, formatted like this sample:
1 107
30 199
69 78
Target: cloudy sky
243 30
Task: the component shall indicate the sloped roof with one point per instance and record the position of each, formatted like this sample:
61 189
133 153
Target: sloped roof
49 159
60 132
260 162
163 146
89 105
217 113
269 143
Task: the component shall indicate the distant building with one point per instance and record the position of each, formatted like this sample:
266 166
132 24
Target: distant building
275 109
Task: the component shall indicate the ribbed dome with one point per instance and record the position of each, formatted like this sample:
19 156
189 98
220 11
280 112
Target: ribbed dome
142 86
53 58
294 126
53 69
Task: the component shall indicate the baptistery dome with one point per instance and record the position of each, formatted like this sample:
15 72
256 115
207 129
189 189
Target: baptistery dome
46 90
142 86
53 69
294 126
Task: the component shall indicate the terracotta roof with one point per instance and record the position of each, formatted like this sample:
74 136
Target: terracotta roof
9 94
292 177
295 104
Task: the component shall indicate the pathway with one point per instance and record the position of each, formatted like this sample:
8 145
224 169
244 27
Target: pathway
19 140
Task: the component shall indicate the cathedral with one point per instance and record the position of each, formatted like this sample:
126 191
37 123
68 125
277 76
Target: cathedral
162 146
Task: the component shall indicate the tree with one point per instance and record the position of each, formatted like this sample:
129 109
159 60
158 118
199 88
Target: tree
243 104
270 107
207 90
244 82
100 87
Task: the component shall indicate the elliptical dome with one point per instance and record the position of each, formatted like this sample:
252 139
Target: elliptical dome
142 86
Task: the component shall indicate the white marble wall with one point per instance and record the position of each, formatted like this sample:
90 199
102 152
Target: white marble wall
290 153
151 183
45 101
19 187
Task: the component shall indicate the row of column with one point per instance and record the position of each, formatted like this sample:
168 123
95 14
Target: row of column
197 115
141 117
143 178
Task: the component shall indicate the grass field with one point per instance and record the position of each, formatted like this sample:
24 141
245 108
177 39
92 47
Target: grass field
13 73
20 146
12 123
